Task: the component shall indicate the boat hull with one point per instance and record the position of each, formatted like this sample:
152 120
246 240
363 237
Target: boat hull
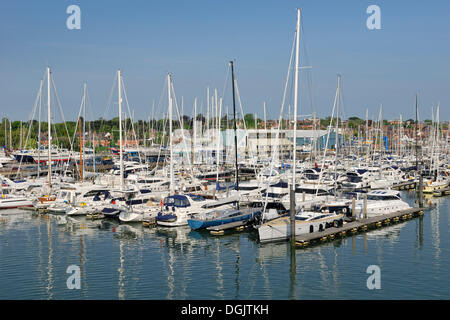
280 229
197 224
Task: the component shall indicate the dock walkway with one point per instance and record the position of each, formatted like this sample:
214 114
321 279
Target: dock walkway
359 225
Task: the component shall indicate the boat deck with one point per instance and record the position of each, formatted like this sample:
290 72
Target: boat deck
360 225
226 226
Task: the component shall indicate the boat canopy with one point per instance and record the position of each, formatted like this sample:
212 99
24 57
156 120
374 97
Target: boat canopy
177 200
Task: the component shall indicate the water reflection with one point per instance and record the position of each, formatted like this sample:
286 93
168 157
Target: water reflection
178 263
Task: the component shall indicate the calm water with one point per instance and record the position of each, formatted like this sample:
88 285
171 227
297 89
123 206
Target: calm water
131 262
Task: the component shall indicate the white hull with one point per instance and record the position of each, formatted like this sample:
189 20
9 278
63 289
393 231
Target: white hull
128 216
13 202
280 229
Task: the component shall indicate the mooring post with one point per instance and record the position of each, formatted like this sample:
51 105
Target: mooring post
421 190
353 208
303 196
365 206
292 215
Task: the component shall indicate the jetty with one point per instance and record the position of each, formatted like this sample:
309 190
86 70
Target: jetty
406 185
357 226
220 229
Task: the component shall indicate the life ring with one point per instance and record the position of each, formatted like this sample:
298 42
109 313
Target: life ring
344 210
82 204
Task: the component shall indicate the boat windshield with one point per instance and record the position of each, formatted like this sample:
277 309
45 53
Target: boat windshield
382 198
354 178
196 197
176 201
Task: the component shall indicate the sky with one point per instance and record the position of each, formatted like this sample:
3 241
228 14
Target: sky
194 41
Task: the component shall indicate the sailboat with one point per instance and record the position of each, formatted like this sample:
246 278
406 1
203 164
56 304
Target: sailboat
438 182
305 221
221 217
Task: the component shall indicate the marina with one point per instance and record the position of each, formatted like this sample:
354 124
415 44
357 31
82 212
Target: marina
122 261
201 193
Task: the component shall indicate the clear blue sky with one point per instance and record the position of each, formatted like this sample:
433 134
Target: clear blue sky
194 40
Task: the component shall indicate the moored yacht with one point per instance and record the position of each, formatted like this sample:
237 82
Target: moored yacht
381 202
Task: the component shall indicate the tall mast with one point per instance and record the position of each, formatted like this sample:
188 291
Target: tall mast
21 135
415 133
84 128
119 89
338 102
39 129
217 123
366 136
265 117
194 138
234 127
81 151
49 130
169 84
297 53
6 136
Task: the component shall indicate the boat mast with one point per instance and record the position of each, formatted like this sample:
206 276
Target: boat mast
169 84
297 52
194 140
119 89
415 133
39 129
81 151
235 129
84 130
49 130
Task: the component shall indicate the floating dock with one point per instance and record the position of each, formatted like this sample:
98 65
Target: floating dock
220 229
441 193
357 226
406 185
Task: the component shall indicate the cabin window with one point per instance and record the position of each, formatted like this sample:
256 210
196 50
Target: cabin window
196 197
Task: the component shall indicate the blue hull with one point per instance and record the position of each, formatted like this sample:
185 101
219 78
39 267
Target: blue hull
196 224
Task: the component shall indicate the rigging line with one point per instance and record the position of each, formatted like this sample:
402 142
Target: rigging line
277 136
61 111
309 75
182 129
103 120
160 125
75 131
225 85
132 120
243 117
30 123
328 138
